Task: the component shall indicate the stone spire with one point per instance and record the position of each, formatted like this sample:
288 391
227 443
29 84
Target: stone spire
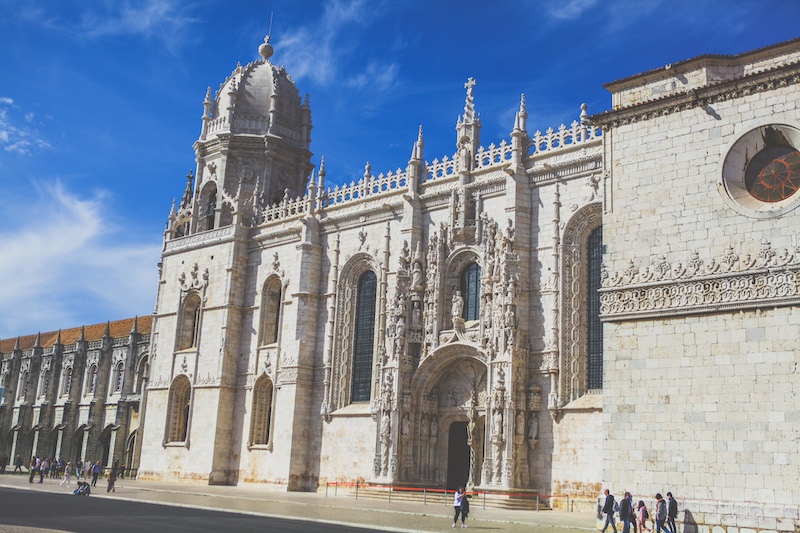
58 337
321 176
469 124
207 103
107 332
16 345
521 119
416 153
38 342
82 338
187 193
135 328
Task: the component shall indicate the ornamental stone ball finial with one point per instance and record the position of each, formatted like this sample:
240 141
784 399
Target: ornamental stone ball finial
265 50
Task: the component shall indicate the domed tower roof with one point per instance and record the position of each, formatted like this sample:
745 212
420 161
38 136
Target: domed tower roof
260 99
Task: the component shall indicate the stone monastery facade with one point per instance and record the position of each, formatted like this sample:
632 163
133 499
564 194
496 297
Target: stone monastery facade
75 394
611 303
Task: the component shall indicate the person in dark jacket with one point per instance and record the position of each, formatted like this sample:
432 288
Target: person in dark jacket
672 513
626 513
608 509
661 514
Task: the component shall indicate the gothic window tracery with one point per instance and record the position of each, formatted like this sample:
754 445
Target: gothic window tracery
92 379
470 291
581 332
270 311
190 322
178 411
262 411
363 343
45 382
141 373
120 377
23 390
67 381
595 326
355 339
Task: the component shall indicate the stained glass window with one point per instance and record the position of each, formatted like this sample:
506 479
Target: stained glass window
595 329
363 341
773 174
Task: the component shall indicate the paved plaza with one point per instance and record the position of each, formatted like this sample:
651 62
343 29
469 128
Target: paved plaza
258 501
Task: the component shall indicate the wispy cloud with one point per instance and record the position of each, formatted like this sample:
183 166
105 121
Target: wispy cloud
167 21
320 49
569 10
66 264
16 137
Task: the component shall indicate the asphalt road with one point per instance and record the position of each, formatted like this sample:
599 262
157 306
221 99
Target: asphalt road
65 512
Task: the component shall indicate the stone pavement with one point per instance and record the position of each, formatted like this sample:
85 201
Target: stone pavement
343 510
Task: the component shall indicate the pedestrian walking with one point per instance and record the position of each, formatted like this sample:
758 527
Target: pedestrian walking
18 464
458 499
609 508
34 466
111 477
661 513
95 473
644 514
42 470
3 464
626 513
67 475
672 513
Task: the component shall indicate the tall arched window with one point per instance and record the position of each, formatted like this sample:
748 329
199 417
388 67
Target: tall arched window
190 322
471 291
45 382
23 390
262 411
211 210
595 326
270 311
178 411
67 381
141 372
120 377
92 379
363 342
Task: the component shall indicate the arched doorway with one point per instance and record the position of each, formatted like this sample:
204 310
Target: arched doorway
451 390
457 456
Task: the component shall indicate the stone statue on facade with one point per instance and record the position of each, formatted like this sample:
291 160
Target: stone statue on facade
458 306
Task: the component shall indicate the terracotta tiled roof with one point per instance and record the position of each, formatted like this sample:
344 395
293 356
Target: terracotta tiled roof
95 332
704 56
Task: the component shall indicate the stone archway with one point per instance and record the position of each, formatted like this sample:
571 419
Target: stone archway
450 399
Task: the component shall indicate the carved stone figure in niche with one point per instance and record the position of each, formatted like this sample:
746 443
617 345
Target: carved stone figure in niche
416 313
416 276
405 257
404 427
497 421
509 238
423 427
520 424
533 427
458 306
434 428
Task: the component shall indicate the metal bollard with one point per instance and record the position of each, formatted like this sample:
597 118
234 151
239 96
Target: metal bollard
356 491
390 494
326 489
484 500
424 496
537 502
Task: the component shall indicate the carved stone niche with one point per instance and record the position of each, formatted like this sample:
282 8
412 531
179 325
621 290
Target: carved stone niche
534 394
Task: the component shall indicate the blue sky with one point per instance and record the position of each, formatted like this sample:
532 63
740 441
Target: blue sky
100 102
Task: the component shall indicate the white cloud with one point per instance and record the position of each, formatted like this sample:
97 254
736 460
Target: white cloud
168 21
319 50
6 100
570 9
64 267
16 137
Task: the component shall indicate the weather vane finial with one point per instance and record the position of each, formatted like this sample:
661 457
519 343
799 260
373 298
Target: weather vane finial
265 50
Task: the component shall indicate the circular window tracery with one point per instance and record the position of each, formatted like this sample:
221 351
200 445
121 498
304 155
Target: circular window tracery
761 172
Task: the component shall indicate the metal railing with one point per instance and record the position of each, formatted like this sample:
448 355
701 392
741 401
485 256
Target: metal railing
444 495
